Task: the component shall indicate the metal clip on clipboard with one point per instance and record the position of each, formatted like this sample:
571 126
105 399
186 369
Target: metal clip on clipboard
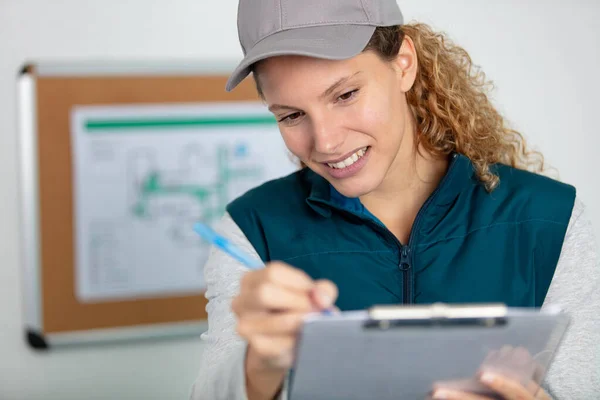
438 314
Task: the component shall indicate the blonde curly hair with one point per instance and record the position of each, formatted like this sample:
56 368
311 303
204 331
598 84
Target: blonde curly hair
450 103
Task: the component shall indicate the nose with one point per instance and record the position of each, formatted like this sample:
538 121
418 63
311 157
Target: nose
328 137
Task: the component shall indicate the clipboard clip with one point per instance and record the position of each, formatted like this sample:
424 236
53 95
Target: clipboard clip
437 314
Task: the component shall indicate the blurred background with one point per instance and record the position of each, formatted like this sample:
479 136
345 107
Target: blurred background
542 56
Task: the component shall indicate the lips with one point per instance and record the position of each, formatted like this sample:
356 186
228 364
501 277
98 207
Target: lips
350 165
349 160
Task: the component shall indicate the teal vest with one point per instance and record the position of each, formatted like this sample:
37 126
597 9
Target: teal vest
466 245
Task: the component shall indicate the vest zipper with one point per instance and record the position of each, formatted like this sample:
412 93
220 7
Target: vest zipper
404 263
406 259
405 266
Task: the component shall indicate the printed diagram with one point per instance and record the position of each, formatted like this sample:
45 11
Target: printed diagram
198 191
144 175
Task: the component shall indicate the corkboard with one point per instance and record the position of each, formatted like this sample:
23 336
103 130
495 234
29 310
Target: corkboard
61 311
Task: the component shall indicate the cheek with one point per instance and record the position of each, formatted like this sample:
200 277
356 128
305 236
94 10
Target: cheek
374 117
297 142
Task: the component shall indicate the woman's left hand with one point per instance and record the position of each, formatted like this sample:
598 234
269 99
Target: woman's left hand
506 388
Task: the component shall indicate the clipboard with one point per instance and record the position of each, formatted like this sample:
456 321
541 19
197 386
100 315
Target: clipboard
404 352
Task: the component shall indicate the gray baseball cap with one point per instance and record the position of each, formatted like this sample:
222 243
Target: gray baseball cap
330 29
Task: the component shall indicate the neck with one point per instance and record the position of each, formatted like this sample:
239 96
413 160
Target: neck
414 175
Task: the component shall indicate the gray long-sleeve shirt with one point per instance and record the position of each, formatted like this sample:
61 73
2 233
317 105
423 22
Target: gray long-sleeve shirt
574 374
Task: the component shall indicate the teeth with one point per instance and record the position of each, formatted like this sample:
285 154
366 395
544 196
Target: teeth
350 160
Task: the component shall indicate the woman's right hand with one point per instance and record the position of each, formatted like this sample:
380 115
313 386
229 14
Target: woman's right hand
270 308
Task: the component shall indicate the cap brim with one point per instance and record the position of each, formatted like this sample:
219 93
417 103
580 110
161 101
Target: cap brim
333 42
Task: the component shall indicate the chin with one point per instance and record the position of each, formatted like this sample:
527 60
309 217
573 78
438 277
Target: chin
353 189
363 183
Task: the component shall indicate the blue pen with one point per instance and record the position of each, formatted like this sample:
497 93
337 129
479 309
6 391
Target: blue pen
222 243
208 234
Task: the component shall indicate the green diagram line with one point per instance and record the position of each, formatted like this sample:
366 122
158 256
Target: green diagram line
153 187
103 125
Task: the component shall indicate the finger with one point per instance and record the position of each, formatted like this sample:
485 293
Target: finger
277 351
522 353
541 394
538 373
271 297
448 394
508 388
278 273
272 346
324 294
270 324
287 276
537 392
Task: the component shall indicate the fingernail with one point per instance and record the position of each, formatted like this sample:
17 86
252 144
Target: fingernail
486 377
441 394
324 299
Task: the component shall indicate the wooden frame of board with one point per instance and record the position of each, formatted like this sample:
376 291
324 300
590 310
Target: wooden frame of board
53 316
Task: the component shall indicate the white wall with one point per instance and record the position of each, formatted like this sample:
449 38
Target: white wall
543 58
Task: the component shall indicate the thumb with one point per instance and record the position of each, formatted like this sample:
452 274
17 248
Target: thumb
324 294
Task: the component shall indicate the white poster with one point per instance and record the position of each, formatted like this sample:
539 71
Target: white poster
144 175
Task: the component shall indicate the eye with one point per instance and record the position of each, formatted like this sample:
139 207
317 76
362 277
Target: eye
348 95
291 117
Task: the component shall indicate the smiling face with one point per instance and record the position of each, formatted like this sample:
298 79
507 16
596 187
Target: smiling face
346 120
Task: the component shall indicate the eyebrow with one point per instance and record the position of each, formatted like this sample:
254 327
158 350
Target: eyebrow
337 84
330 89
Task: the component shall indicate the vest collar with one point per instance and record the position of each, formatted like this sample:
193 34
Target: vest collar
319 198
460 176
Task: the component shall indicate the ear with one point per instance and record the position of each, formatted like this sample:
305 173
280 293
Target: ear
406 64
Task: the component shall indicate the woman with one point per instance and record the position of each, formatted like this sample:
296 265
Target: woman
413 191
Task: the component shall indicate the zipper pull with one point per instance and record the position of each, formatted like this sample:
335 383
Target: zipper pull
404 259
